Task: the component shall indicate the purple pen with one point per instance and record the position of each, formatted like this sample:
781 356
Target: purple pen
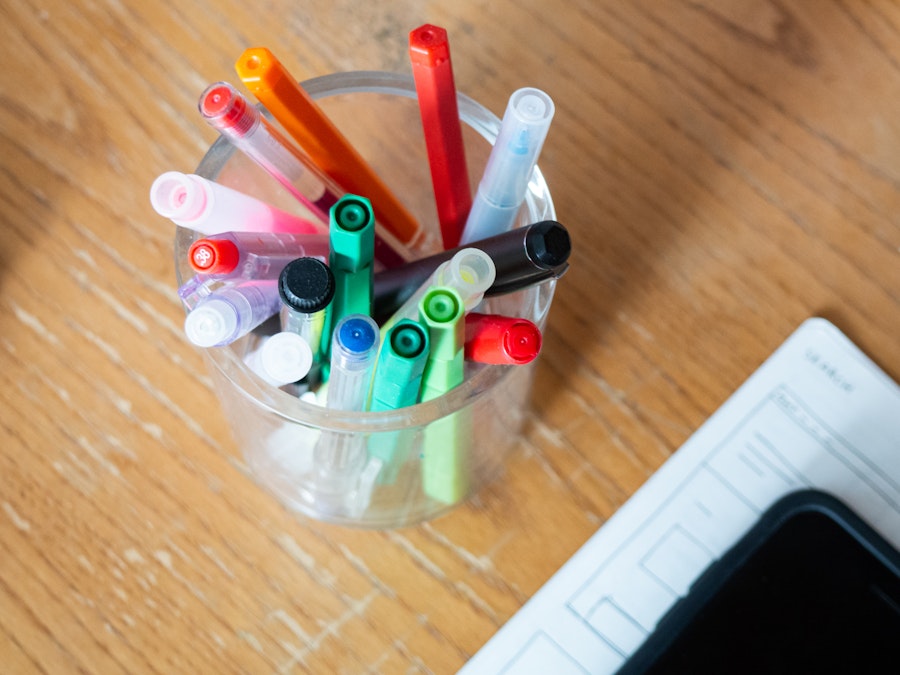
249 255
210 208
231 312
199 286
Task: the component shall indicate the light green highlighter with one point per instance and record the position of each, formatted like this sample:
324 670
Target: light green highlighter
444 446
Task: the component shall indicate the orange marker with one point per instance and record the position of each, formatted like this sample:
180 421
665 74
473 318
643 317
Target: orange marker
301 117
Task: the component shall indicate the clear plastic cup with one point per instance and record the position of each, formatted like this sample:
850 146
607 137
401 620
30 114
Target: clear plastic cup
317 461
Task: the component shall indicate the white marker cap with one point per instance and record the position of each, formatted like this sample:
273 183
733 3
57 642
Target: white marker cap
284 358
211 323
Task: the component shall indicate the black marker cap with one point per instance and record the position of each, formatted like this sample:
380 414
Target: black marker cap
306 285
547 244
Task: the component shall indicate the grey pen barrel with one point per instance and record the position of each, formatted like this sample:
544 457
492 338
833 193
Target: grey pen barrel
522 256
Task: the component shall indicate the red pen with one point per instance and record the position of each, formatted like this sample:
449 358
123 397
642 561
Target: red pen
429 52
501 340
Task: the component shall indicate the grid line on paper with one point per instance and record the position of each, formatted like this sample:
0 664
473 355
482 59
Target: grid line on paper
616 626
774 468
541 649
674 559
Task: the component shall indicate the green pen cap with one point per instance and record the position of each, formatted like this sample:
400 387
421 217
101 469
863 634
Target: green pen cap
401 363
352 234
409 340
442 311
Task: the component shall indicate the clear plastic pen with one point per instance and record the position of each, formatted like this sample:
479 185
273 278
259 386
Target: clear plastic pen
231 312
233 116
306 286
198 287
344 481
253 255
354 348
504 183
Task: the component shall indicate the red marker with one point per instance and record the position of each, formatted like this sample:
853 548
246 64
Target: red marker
501 340
429 52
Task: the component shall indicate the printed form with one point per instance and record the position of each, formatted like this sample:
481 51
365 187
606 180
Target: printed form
817 414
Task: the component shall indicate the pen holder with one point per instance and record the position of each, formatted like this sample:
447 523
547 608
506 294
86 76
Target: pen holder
319 461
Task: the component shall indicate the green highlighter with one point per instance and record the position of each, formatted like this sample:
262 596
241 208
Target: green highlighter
444 446
396 384
352 242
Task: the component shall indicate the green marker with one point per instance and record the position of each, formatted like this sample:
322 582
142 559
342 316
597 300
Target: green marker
352 241
398 377
444 472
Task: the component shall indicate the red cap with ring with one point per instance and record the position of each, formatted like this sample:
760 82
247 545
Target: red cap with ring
522 341
213 256
225 108
501 340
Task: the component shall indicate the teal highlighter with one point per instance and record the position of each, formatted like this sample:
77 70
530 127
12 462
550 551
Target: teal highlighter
352 241
444 446
398 377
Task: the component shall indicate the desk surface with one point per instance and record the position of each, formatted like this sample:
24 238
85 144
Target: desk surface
725 170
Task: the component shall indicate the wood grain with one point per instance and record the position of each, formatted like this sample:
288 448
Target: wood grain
726 170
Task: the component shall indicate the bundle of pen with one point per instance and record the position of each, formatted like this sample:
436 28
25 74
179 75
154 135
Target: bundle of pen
347 308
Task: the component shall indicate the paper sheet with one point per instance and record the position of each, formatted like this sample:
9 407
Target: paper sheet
817 414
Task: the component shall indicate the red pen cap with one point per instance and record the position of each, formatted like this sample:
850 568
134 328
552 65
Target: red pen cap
428 46
224 107
213 256
501 340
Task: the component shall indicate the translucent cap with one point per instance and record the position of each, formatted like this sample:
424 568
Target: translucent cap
522 133
285 357
179 196
211 323
226 109
471 272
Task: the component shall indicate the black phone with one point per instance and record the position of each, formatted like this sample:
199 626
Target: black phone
810 588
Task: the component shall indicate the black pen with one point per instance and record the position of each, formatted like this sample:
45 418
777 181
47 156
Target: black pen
522 256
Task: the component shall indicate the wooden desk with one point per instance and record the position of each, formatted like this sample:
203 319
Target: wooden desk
726 171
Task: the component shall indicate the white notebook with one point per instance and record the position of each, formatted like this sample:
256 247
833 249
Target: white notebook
817 414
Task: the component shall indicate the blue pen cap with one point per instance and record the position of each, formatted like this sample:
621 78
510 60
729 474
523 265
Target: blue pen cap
354 350
356 335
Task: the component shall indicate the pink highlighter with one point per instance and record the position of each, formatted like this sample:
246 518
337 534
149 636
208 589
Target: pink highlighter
210 208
